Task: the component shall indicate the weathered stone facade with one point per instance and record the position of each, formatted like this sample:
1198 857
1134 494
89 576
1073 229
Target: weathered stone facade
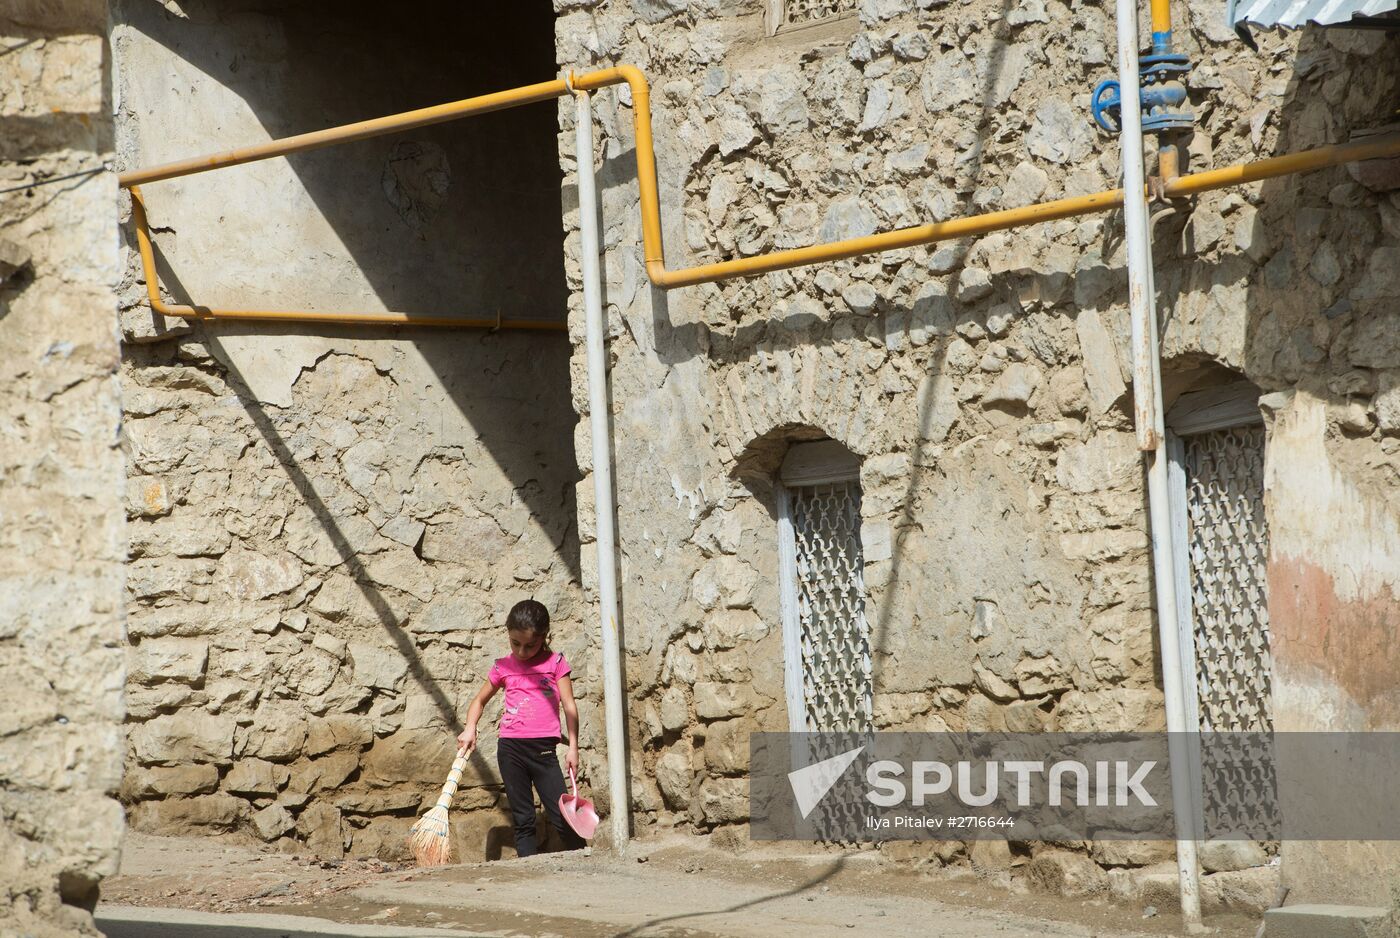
985 384
61 527
328 524
312 597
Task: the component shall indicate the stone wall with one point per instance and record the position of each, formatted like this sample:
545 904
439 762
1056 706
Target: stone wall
61 527
328 524
984 383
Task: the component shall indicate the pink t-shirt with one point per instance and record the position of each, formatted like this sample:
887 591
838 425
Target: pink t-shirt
531 708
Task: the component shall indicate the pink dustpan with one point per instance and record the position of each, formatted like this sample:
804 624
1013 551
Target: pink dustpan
579 812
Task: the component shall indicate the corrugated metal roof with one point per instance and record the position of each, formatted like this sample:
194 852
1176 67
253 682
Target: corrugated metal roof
1295 13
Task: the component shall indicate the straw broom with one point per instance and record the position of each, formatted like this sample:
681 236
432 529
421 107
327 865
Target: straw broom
428 837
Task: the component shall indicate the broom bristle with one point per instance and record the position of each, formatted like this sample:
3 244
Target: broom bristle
428 839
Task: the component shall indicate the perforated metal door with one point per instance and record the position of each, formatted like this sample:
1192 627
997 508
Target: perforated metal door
1229 542
831 607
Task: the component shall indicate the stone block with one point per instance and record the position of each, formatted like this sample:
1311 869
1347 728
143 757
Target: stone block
168 659
412 756
454 614
148 497
159 781
990 855
1203 230
322 827
1069 392
188 815
1387 401
1102 372
1328 921
256 777
278 734
912 853
1102 546
650 723
402 570
385 839
13 258
716 701
989 683
1043 675
1106 461
143 703
272 822
325 773
337 731
673 777
1028 716
1119 709
309 673
391 801
1157 885
860 297
378 666
182 738
1218 856
675 710
727 747
1252 890
1066 873
729 628
1131 852
973 284
724 800
1014 387
250 575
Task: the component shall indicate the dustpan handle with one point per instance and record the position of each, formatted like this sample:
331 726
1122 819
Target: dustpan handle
573 782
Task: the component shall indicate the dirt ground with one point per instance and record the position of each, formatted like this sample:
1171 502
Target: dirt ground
668 888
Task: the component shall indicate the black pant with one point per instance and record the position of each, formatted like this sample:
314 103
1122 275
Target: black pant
527 762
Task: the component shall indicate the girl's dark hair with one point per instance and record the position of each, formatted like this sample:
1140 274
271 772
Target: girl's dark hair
528 616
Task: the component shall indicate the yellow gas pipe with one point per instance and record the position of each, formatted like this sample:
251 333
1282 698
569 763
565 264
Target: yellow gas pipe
179 311
1174 186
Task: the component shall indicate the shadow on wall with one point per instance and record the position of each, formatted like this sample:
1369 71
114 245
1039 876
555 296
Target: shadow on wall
457 219
460 218
417 214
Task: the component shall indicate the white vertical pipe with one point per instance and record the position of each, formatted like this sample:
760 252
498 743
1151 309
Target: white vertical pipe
1147 405
603 508
787 605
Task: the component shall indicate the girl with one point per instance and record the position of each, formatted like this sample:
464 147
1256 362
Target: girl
536 682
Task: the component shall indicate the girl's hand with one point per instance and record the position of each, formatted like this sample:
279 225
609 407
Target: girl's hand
467 739
571 760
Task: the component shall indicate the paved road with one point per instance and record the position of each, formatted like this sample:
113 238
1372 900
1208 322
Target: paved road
132 922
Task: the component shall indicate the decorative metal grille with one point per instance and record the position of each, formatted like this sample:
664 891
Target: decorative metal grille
831 607
1229 541
803 12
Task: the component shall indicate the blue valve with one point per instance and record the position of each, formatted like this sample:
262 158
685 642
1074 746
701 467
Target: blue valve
1107 105
1162 94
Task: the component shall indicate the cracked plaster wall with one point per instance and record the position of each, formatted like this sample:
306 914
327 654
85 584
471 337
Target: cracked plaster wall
984 383
61 525
328 524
